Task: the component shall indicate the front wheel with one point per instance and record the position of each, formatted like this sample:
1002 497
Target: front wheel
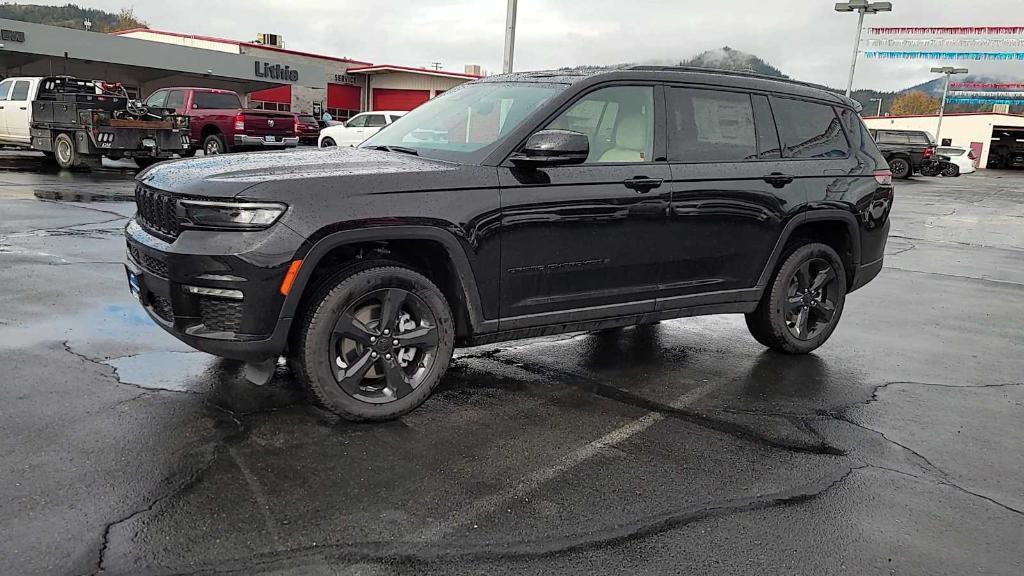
900 168
374 342
802 305
327 142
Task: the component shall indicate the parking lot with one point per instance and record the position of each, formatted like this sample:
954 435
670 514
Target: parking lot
682 447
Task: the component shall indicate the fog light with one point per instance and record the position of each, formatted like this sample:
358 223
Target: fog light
215 292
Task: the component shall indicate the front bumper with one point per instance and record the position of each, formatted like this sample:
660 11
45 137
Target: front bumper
172 275
277 142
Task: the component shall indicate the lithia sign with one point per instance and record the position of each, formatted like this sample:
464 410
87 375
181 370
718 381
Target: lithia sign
276 72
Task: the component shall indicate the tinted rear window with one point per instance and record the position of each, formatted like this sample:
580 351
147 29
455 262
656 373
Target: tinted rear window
215 100
860 138
306 119
809 130
919 138
710 126
893 138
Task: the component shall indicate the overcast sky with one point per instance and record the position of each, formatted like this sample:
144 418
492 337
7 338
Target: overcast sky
804 38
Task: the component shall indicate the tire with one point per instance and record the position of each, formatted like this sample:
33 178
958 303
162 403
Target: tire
327 142
343 351
64 151
775 322
144 162
214 144
900 168
951 171
930 170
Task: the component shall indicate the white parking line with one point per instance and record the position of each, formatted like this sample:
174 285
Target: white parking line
531 482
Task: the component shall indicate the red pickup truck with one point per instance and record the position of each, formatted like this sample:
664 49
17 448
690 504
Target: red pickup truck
220 124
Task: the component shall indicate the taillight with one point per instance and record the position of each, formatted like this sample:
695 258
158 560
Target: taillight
298 128
928 152
971 156
239 122
883 177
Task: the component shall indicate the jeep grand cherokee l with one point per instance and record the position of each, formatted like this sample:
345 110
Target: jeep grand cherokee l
540 203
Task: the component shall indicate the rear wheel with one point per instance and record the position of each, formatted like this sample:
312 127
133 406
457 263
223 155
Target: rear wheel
64 151
802 305
214 144
327 142
144 162
951 170
900 168
374 342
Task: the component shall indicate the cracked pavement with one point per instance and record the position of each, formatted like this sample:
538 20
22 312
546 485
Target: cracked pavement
681 447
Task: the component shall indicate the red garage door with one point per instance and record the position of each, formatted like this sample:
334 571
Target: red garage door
280 94
393 99
344 96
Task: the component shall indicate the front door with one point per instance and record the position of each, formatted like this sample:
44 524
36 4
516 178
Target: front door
732 190
585 238
5 91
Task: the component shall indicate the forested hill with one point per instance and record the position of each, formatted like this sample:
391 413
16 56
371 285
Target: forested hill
72 16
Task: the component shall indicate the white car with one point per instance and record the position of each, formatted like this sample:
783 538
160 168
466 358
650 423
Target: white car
358 128
963 159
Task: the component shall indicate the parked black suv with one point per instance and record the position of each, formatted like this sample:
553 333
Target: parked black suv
909 152
515 206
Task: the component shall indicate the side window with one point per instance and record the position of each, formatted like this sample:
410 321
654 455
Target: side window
357 122
809 130
375 120
5 88
618 121
710 126
892 138
20 92
175 99
157 99
919 138
767 134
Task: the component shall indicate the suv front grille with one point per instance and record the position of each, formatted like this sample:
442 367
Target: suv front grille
221 315
149 263
158 211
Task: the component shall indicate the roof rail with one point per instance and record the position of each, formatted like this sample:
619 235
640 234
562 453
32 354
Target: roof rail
730 73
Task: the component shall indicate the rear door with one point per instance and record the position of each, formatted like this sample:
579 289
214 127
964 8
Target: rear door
732 191
18 110
587 238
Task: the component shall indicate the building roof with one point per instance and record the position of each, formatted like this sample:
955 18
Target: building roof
242 43
947 115
386 68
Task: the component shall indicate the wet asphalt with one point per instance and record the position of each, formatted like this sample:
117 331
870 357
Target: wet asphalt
678 448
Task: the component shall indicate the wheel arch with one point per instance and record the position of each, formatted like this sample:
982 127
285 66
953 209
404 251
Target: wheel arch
837 228
209 129
434 252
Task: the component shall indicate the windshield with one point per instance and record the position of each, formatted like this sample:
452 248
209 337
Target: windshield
465 123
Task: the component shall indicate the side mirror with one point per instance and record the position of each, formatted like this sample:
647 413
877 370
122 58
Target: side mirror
553 148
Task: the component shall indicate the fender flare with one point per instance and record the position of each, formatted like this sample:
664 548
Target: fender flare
456 253
833 214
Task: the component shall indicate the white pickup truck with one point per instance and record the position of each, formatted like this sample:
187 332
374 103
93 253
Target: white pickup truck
78 121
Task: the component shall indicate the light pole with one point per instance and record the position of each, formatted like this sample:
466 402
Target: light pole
947 71
510 36
861 7
879 100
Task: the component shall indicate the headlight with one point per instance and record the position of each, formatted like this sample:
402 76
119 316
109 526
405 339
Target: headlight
235 215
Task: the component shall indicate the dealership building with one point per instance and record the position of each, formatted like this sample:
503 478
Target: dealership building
268 75
988 134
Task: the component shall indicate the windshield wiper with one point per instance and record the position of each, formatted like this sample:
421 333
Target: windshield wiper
402 149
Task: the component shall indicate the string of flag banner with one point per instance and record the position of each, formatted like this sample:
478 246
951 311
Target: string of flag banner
932 42
986 101
915 55
945 30
986 86
978 94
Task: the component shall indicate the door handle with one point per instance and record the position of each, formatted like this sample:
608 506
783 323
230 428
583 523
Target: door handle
22 108
643 184
778 179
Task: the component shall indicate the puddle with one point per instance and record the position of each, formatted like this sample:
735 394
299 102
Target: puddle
175 371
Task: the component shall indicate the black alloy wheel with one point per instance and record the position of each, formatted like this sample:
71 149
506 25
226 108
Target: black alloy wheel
900 168
951 170
810 299
384 345
801 306
373 341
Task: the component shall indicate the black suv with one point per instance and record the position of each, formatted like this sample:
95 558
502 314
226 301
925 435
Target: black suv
516 206
909 152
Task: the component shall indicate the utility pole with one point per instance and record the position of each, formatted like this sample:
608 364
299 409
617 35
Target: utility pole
861 7
510 36
948 71
879 100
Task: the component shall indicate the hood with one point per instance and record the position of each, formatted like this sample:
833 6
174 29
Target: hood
228 175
